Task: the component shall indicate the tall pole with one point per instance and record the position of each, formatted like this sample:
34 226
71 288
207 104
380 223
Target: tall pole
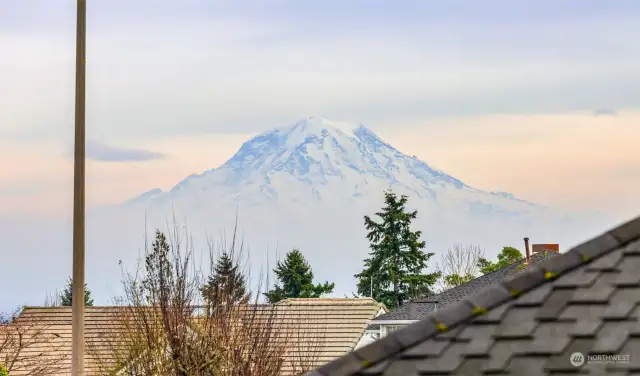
77 353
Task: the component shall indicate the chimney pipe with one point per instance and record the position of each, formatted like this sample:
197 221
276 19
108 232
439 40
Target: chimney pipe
526 247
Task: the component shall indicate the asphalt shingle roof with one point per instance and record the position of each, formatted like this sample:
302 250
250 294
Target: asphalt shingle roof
584 301
421 308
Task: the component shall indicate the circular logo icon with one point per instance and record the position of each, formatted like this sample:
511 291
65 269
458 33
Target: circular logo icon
577 359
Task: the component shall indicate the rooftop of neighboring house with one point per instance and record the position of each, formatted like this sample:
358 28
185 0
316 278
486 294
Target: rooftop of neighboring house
330 328
544 320
420 308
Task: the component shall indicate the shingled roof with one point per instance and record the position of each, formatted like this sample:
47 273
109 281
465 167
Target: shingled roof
50 332
325 328
319 330
584 301
421 308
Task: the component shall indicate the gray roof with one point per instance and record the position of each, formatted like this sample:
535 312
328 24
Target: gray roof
421 308
586 301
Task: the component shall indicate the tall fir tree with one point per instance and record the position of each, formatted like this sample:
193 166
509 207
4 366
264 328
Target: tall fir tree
296 280
394 271
66 299
226 281
159 280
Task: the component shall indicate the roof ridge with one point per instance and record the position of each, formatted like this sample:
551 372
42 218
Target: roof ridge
478 284
329 300
479 304
487 275
69 307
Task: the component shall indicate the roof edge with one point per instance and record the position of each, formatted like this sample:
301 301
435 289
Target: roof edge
512 287
363 300
320 300
515 264
69 307
393 322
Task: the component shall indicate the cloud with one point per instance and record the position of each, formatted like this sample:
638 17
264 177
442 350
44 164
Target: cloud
23 190
226 69
604 112
98 151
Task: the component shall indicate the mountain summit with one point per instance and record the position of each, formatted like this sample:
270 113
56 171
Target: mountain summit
316 151
317 159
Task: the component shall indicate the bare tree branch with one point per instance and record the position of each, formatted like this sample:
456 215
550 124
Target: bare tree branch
53 300
458 265
164 326
30 348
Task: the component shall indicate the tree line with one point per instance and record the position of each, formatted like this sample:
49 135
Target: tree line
395 270
172 320
294 274
181 344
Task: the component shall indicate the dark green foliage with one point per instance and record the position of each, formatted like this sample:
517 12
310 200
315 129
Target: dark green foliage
397 261
225 282
296 280
66 299
3 371
506 257
159 280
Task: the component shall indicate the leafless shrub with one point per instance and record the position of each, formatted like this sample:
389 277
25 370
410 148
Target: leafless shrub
53 300
307 343
29 347
458 265
165 327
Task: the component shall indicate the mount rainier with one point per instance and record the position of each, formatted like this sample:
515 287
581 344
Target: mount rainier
309 185
321 161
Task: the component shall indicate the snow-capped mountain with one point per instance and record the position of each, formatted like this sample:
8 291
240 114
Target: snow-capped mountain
319 160
309 185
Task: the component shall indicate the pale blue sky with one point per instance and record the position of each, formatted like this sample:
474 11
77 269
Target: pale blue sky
164 74
167 67
500 94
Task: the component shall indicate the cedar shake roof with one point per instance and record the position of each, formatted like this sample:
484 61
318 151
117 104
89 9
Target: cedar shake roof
55 322
586 300
328 328
420 308
322 330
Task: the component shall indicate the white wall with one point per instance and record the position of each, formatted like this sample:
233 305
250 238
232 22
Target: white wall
367 338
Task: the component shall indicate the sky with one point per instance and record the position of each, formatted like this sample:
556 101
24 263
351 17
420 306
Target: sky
540 99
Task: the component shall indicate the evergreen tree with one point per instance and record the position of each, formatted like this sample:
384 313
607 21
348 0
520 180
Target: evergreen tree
506 257
296 280
159 280
395 268
225 281
66 299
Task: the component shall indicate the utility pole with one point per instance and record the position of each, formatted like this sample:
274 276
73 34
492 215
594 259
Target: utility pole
77 353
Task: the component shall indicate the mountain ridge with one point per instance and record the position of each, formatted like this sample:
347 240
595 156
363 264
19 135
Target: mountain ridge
333 149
